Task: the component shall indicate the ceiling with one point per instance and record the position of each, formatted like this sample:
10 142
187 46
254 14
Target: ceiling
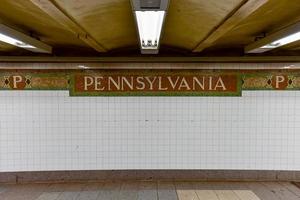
107 28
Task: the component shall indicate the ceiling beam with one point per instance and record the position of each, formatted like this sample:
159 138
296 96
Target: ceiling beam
238 15
60 16
243 59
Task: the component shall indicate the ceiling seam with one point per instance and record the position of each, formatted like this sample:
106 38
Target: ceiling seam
62 17
248 6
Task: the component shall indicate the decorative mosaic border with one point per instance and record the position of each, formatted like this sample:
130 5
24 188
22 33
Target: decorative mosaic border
265 81
31 80
63 80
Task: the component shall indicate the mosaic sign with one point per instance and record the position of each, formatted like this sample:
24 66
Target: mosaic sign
155 83
150 82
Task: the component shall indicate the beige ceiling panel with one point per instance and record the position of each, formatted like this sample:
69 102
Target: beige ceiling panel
190 21
26 16
272 16
110 22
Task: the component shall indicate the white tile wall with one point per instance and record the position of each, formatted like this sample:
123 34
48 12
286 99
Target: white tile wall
48 130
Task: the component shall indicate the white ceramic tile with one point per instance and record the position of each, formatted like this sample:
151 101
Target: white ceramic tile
48 130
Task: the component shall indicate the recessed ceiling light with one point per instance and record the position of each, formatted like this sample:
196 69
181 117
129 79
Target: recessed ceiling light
286 40
150 16
19 39
149 26
283 37
15 42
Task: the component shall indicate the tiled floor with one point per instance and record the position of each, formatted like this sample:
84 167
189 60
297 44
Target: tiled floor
152 190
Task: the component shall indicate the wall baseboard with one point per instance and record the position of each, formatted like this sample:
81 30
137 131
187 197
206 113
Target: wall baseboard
176 175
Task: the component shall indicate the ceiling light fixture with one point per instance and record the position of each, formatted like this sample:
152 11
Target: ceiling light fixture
19 39
283 37
150 16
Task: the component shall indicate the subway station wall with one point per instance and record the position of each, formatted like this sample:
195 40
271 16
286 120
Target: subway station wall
48 130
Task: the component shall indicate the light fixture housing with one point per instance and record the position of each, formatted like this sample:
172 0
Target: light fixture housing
149 16
19 39
278 39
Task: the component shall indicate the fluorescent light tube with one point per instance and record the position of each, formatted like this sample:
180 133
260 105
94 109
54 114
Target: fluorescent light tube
150 26
281 42
149 17
19 39
283 37
12 41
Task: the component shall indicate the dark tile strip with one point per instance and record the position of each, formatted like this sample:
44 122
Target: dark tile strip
297 184
169 175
